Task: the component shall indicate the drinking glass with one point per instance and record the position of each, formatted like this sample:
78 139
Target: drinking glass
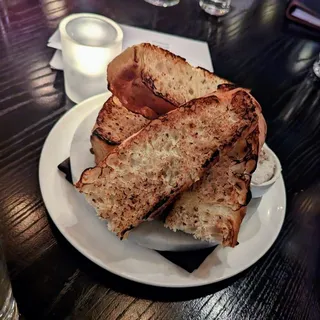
8 306
163 3
215 7
89 42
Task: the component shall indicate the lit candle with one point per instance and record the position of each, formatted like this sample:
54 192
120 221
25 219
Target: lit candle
89 43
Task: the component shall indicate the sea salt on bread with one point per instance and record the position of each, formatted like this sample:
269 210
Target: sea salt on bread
147 171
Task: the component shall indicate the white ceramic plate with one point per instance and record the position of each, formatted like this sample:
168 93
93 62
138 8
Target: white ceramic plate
69 211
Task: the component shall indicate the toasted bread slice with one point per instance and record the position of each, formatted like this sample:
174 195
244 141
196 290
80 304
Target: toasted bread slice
114 124
213 209
147 171
152 81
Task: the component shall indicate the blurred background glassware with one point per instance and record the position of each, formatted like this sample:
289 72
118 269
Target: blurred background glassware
215 7
316 67
89 42
8 306
163 3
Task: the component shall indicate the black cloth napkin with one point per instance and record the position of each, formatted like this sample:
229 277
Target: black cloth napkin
188 260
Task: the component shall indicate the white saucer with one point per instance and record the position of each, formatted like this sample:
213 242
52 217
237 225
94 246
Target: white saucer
69 211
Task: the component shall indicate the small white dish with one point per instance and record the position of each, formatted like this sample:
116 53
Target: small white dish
76 221
258 190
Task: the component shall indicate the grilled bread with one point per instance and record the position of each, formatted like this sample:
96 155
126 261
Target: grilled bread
213 209
152 81
139 178
114 124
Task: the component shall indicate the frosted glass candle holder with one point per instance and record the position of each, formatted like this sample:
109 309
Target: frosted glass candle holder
89 42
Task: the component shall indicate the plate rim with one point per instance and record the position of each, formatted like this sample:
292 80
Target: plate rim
87 254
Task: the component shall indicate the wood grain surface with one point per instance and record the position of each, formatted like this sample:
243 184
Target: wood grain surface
254 46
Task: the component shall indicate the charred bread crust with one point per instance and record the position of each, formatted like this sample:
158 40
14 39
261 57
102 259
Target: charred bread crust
152 81
214 157
125 81
114 124
104 138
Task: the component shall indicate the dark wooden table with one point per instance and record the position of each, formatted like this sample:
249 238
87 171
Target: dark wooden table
254 46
